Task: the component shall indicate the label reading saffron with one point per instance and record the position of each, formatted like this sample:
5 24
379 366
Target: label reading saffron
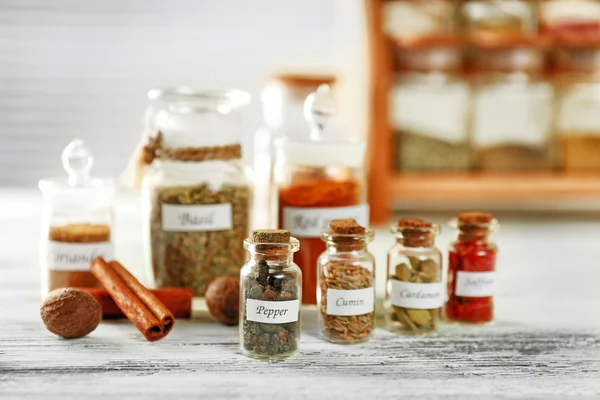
178 218
350 302
62 256
417 295
475 284
311 221
272 312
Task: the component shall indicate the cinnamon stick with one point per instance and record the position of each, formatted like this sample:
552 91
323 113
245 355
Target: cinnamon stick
142 308
177 300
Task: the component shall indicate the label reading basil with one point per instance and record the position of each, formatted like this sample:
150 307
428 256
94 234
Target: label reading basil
417 295
475 284
179 218
272 312
350 302
63 256
310 222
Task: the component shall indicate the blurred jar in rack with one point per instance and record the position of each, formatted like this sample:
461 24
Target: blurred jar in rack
567 17
406 18
283 112
499 16
430 105
578 122
512 105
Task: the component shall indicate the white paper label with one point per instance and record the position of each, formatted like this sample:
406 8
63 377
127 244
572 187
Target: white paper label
417 295
75 256
310 222
272 312
475 284
350 302
178 218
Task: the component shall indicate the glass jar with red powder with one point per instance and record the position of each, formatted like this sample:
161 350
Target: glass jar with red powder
472 269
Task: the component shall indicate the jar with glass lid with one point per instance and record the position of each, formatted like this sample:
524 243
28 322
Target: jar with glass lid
196 197
512 105
577 122
77 221
411 18
317 180
499 17
430 80
283 112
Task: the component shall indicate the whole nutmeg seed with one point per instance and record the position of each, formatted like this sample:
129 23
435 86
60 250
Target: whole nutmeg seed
223 299
70 313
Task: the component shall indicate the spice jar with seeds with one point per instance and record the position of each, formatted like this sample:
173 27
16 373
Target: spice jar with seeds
196 196
346 292
318 180
415 292
270 296
77 220
472 270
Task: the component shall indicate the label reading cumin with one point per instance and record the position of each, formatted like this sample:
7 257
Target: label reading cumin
350 302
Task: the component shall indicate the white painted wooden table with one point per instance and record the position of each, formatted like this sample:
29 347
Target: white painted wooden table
545 344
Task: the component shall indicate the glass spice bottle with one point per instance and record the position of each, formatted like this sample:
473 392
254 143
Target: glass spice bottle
196 197
77 222
318 180
410 18
578 83
471 270
414 296
559 18
499 17
270 296
512 105
430 80
346 292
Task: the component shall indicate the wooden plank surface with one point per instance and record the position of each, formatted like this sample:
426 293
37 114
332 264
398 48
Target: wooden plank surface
542 346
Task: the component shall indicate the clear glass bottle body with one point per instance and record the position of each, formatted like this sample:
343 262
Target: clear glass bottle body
414 290
499 17
430 81
346 288
471 275
270 301
512 112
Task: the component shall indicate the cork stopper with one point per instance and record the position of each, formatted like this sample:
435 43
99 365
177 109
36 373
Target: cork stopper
475 225
346 227
414 223
271 236
474 218
415 232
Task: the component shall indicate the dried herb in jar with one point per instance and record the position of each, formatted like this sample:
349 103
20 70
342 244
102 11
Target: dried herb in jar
75 260
512 157
346 283
418 152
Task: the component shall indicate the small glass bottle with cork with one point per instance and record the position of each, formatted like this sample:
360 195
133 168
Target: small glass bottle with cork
77 220
415 291
346 287
270 296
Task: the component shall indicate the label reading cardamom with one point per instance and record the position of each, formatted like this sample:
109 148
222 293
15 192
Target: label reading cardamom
64 256
350 302
197 218
475 284
272 312
417 295
311 221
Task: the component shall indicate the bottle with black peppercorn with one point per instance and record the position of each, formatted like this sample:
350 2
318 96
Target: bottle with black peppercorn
270 296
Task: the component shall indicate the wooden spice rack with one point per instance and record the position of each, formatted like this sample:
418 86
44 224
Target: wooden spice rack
388 187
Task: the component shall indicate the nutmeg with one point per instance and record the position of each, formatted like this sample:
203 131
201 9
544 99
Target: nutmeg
70 313
223 299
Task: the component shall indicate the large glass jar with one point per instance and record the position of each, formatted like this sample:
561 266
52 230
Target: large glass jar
283 113
566 17
577 122
318 180
196 199
406 18
415 292
77 221
499 17
431 81
472 270
512 105
346 287
270 296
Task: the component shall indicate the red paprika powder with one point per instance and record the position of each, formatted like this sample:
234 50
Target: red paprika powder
471 270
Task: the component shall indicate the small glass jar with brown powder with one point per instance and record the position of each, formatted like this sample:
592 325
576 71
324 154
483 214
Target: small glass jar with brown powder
77 222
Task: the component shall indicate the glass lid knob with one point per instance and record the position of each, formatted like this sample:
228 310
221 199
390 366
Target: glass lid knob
319 107
77 161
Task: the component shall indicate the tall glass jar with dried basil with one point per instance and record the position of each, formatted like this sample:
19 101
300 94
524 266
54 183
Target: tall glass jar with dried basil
196 197
346 287
415 292
77 222
270 296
